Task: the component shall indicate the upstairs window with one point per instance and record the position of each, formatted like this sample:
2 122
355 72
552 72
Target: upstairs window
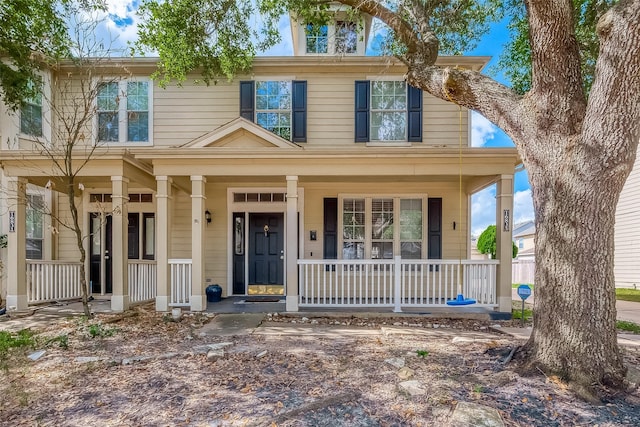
317 38
387 110
31 116
108 105
346 37
273 107
124 111
278 106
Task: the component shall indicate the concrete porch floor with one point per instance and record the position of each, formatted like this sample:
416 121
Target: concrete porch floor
254 304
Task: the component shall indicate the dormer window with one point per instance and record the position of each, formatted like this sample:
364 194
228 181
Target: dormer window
346 37
339 37
343 33
317 38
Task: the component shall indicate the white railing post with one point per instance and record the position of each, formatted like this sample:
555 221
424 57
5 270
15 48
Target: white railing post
397 295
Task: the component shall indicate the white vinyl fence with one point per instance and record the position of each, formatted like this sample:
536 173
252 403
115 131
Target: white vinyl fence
523 271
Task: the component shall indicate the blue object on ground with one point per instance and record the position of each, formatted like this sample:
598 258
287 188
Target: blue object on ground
461 300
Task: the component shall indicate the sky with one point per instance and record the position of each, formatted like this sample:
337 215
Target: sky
121 26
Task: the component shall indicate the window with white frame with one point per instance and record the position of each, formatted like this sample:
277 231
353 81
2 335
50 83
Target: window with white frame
353 228
31 115
388 111
346 37
317 38
35 226
124 111
411 228
382 227
273 107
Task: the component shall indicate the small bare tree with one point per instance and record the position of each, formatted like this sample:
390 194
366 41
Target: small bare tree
76 84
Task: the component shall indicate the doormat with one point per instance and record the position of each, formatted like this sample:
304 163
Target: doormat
263 300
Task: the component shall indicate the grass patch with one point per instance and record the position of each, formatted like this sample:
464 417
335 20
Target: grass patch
517 314
623 325
625 294
96 330
8 340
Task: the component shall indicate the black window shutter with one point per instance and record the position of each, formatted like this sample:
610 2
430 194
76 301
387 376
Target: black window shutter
330 228
299 111
434 231
246 99
414 112
362 111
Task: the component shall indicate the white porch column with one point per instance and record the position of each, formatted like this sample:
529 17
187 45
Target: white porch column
120 243
291 251
16 268
163 241
198 298
504 226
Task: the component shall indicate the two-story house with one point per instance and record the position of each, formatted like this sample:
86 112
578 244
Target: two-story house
322 177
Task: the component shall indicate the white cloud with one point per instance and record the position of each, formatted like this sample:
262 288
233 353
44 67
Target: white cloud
121 8
482 130
523 206
483 210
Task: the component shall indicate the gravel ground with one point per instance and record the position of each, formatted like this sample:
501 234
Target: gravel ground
147 370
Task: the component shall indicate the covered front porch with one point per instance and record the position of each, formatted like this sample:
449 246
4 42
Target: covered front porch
337 242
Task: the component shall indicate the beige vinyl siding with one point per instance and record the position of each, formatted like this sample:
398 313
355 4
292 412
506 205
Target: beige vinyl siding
627 232
442 124
331 106
216 234
67 246
182 114
180 242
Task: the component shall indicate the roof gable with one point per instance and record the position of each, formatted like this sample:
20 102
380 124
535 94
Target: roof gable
240 134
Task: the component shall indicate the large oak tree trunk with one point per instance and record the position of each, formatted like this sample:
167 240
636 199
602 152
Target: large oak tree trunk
574 307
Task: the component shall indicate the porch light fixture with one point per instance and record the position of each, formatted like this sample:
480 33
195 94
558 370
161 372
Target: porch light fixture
207 216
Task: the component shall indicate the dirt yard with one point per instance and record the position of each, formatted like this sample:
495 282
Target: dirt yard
148 370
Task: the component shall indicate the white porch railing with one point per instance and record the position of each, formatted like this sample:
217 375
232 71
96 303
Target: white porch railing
142 280
395 283
52 281
180 270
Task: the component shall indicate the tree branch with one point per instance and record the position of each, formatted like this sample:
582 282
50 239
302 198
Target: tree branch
472 90
556 75
614 101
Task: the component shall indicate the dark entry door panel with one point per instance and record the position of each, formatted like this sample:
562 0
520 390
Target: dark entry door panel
96 222
266 260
